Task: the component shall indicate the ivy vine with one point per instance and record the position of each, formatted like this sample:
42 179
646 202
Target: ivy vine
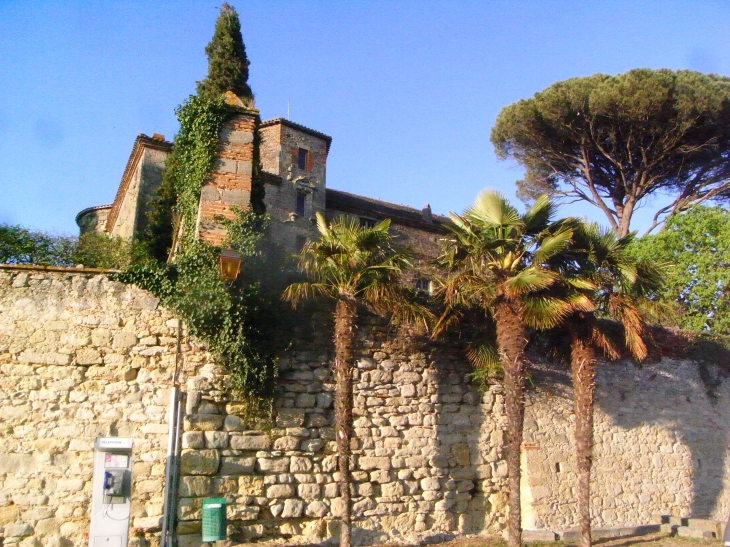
234 321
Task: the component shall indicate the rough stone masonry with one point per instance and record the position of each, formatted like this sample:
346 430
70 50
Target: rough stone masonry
82 356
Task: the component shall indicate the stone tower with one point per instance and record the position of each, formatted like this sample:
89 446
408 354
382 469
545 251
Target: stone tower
294 164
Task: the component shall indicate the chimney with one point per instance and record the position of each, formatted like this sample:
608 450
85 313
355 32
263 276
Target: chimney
426 213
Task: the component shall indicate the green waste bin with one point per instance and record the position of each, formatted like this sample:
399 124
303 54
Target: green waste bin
214 519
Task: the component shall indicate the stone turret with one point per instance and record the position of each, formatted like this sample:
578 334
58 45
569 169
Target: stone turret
231 182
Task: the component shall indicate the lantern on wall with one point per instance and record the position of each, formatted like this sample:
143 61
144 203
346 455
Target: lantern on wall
230 263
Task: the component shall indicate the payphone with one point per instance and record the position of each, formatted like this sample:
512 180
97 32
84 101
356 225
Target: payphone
111 492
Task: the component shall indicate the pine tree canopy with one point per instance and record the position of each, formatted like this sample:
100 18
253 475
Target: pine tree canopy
227 61
614 141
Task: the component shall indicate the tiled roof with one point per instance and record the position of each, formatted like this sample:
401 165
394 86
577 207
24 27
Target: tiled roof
345 202
284 121
89 209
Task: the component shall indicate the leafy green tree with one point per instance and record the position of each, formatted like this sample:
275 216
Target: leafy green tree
227 61
613 284
102 251
356 268
614 141
20 245
499 264
697 242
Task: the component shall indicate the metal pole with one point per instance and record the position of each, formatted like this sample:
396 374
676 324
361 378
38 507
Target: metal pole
173 449
168 518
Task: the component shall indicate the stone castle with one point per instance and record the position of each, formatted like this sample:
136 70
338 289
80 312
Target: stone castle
83 356
294 164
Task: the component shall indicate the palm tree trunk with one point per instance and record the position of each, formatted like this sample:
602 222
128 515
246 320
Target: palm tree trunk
511 341
344 336
583 369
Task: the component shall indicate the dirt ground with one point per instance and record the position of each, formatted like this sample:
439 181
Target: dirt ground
652 540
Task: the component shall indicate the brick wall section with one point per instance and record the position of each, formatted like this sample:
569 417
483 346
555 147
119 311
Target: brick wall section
230 182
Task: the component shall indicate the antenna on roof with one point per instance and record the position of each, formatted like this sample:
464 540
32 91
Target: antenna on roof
287 109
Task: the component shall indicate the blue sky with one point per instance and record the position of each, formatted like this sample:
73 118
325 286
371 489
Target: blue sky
408 90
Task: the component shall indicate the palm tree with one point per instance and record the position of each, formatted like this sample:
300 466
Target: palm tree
356 267
498 261
617 286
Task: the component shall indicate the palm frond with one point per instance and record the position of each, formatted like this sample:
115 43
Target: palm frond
530 279
296 292
545 312
490 209
539 215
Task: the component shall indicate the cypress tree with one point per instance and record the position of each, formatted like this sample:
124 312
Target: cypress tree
227 61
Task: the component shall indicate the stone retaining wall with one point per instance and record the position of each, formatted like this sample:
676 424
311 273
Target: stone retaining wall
82 356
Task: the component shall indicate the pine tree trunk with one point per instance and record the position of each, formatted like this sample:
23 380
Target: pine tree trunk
344 337
511 341
583 369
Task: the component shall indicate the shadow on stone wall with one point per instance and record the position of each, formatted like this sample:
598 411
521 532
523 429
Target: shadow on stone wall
660 444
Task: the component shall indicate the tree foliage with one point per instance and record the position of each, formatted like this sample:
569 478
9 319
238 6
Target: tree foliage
697 242
20 245
599 266
355 267
613 141
96 250
500 264
227 61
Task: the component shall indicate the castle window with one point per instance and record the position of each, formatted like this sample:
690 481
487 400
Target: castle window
301 201
367 222
303 159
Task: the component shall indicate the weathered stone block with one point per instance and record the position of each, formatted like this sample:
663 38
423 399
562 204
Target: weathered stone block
277 491
311 445
234 423
309 491
191 487
124 339
244 167
203 422
236 137
242 512
216 439
293 508
273 465
290 417
18 530
9 514
210 192
236 465
193 439
286 443
316 509
88 357
250 442
300 465
199 462
236 197
223 165
251 486
369 462
69 485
